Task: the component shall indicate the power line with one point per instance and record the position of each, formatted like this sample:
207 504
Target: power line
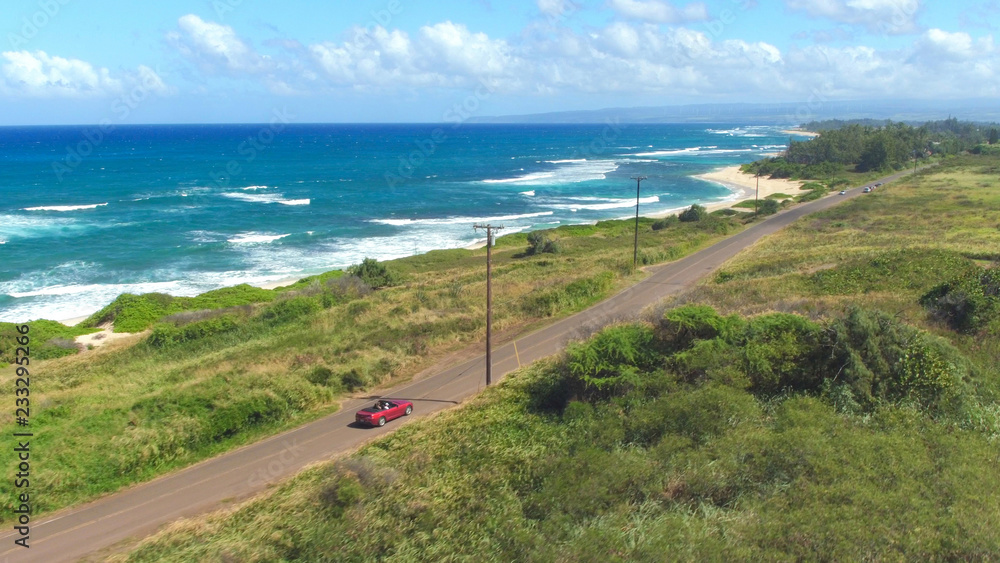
489 296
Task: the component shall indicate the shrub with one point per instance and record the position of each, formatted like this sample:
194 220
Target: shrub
769 207
967 304
682 326
665 223
374 273
693 214
165 334
348 287
539 243
289 310
611 361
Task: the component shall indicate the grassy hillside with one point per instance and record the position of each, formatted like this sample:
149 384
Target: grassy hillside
230 366
831 394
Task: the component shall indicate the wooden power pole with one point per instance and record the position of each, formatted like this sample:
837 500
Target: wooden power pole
489 297
635 248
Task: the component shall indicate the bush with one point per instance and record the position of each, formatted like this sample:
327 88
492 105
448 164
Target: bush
693 214
375 274
165 334
967 304
539 243
665 223
611 361
769 207
682 326
289 310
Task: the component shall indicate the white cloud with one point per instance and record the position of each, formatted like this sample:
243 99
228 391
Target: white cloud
444 54
879 16
660 11
621 58
216 47
38 74
954 46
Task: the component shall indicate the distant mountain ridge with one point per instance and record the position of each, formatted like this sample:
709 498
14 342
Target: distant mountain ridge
780 113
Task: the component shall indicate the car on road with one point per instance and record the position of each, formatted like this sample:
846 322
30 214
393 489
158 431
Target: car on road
843 192
867 189
383 411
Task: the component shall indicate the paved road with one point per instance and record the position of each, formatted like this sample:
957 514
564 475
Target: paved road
89 530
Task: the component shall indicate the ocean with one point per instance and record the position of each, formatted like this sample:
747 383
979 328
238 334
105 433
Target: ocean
88 213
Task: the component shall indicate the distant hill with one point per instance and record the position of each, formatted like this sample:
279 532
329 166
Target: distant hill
781 113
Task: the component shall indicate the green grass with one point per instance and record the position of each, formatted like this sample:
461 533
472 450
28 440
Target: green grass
733 437
230 366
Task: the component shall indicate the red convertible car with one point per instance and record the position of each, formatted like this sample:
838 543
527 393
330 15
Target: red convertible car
384 410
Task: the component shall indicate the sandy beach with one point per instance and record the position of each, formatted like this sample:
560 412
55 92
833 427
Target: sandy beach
744 186
800 132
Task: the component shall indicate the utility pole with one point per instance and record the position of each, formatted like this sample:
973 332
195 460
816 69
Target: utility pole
489 297
635 250
756 194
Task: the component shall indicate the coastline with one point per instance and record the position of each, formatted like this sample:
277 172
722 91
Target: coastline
742 185
800 132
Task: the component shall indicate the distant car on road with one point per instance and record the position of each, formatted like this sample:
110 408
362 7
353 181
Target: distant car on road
843 192
878 184
384 410
867 189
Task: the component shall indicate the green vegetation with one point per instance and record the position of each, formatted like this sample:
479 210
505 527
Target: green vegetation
538 243
227 367
815 400
47 339
136 313
863 147
375 274
693 213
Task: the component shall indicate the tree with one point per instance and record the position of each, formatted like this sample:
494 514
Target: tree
374 274
695 213
539 243
769 207
994 136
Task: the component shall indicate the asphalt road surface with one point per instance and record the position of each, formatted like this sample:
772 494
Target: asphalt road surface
118 520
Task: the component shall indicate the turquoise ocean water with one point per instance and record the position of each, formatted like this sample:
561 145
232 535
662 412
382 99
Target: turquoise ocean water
86 214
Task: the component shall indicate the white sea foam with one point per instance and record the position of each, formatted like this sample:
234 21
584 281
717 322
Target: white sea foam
609 203
566 161
64 207
255 238
265 198
457 220
253 198
698 151
566 172
256 188
529 193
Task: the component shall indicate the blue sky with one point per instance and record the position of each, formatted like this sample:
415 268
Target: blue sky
197 61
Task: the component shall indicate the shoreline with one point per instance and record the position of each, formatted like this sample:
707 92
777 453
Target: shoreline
742 185
800 132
